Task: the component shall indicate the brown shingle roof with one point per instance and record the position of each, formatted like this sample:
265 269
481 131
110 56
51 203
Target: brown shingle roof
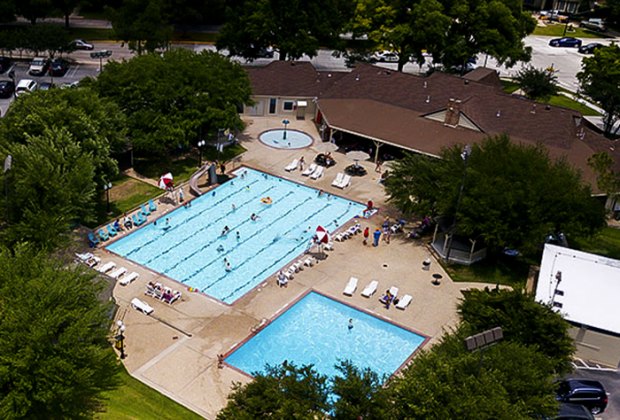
290 78
392 107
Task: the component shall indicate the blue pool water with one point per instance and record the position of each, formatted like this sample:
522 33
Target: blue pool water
315 331
192 249
294 139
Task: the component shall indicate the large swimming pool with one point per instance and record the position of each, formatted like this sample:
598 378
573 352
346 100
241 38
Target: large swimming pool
191 247
316 331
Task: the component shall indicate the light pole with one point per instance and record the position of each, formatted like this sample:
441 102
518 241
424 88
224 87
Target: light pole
12 77
201 144
285 122
120 338
107 187
465 156
8 162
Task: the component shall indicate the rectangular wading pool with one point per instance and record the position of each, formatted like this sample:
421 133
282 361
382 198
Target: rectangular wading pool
192 249
315 330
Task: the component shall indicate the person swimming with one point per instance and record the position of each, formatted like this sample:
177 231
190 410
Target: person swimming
225 231
220 248
253 217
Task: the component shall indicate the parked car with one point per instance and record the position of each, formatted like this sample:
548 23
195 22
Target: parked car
46 86
25 86
594 24
569 411
385 57
80 44
38 66
5 64
589 48
568 41
591 394
59 67
7 87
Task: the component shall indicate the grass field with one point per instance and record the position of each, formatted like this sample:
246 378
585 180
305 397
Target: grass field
503 270
606 243
134 400
557 30
563 101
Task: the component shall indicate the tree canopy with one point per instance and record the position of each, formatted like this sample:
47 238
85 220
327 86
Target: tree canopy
512 196
56 359
171 100
282 392
451 31
537 84
292 27
600 80
523 320
143 24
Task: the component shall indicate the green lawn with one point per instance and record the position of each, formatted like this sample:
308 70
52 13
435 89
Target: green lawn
134 400
606 243
101 34
126 194
557 30
509 86
181 168
563 101
504 270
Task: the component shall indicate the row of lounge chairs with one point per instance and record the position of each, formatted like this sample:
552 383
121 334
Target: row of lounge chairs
353 230
341 181
315 171
162 293
284 276
391 295
111 230
108 268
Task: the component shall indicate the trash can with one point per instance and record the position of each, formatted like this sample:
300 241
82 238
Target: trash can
426 264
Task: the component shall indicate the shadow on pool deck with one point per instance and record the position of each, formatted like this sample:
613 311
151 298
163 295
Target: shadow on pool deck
185 368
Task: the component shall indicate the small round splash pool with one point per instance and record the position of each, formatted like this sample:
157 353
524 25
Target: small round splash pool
294 139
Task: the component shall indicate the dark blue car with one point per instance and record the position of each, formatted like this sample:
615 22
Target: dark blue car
568 41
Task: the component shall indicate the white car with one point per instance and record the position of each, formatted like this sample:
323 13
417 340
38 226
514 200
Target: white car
385 57
39 66
25 86
80 44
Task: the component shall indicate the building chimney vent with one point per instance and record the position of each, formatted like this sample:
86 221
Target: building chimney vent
357 77
499 113
453 112
425 84
533 111
428 99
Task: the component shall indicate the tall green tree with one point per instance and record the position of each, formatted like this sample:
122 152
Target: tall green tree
292 27
512 195
523 320
66 7
537 84
56 360
173 99
49 187
282 392
95 124
34 9
607 179
143 24
506 381
359 393
600 80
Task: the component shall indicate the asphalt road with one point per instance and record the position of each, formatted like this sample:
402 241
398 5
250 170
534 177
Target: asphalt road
565 61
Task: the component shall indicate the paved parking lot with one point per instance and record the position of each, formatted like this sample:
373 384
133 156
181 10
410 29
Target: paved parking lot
611 381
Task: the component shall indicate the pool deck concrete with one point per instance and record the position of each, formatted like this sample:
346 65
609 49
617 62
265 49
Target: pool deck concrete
175 349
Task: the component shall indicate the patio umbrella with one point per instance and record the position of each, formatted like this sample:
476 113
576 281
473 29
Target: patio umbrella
358 155
322 235
165 181
326 146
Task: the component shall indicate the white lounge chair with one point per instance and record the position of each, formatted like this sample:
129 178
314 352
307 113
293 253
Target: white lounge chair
404 302
309 170
129 278
338 180
141 306
328 246
318 172
292 166
351 286
110 265
346 181
308 262
370 289
116 274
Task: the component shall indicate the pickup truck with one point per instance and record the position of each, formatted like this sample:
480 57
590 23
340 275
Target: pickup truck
594 24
